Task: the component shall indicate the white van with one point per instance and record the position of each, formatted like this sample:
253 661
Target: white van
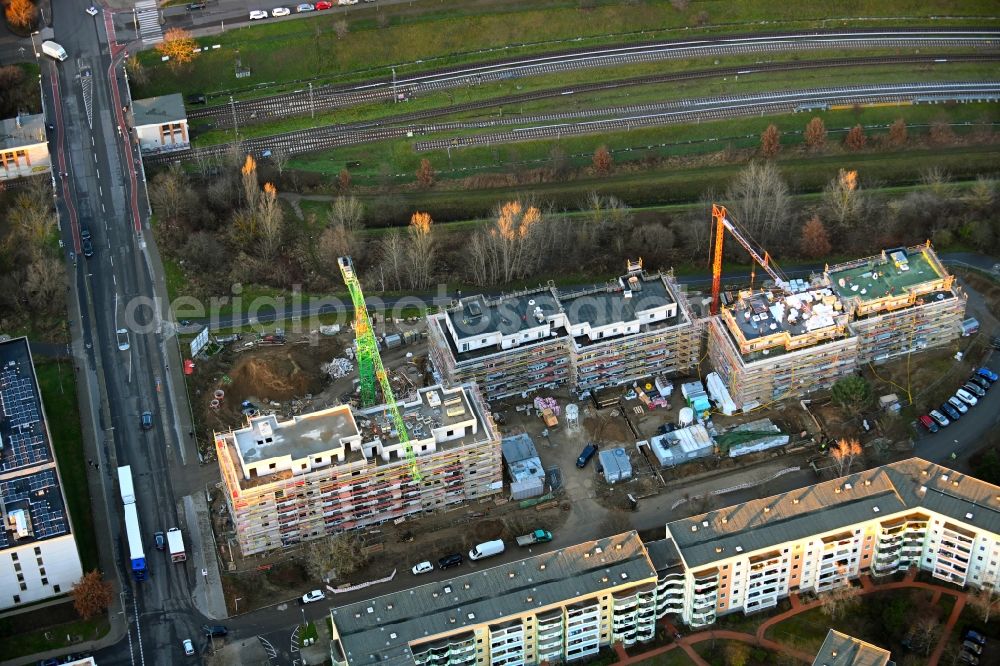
487 549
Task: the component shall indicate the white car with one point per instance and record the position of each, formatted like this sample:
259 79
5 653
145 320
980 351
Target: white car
966 397
315 595
305 7
122 334
257 14
422 568
347 2
280 11
958 404
188 647
92 10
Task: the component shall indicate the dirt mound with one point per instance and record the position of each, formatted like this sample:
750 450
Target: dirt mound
273 377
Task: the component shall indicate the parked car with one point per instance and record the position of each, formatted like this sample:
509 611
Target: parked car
323 4
88 247
952 413
214 630
422 568
280 11
585 455
160 540
122 335
987 374
940 418
966 397
973 635
973 647
188 647
315 595
146 421
995 342
958 404
197 98
305 7
974 388
92 10
449 561
981 382
257 14
968 658
928 423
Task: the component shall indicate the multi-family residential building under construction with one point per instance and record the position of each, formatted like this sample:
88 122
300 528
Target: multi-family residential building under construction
546 338
342 468
802 336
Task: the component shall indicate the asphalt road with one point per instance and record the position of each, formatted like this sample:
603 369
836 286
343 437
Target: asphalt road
96 187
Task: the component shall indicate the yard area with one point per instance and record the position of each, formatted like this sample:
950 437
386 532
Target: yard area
20 634
57 383
882 618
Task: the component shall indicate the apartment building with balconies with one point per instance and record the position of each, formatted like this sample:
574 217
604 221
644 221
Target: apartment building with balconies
339 468
782 343
545 338
745 558
562 605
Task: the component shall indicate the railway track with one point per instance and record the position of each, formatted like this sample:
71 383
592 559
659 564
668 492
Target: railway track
718 108
325 97
607 119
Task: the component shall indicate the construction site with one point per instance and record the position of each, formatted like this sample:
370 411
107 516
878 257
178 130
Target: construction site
372 432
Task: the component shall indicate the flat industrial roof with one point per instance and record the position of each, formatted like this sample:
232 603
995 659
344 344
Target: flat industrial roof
158 110
380 629
30 482
875 278
831 505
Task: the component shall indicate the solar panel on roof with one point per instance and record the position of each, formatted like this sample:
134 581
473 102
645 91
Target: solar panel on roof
24 450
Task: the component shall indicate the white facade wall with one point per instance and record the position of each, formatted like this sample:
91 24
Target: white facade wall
38 570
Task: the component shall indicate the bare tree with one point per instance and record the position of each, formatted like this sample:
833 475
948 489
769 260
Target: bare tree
333 557
815 241
602 161
280 157
44 284
347 211
836 603
393 250
344 181
923 633
898 134
937 180
608 223
32 215
135 70
843 198
425 173
420 250
737 653
170 194
985 600
511 246
270 222
759 201
844 453
856 139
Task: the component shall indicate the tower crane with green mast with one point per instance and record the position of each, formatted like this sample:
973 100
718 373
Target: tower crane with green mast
370 368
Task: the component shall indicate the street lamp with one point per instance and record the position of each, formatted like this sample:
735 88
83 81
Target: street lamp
33 47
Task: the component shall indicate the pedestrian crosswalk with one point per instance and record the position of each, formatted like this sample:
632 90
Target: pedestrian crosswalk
147 15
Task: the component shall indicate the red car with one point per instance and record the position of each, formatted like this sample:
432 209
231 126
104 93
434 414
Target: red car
323 5
928 423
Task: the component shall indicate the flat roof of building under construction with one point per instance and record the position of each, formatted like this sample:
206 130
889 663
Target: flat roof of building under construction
870 279
308 435
478 315
380 630
761 314
606 304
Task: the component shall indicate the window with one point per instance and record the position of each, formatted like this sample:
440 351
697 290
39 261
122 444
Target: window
17 599
272 466
38 550
13 556
17 566
45 581
55 588
24 587
318 461
41 571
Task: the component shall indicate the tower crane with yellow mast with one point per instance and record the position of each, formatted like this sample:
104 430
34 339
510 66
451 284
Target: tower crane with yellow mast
370 368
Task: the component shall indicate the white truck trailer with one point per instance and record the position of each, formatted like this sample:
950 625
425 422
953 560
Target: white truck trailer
175 542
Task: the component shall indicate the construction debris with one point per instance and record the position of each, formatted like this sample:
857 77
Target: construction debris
337 368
